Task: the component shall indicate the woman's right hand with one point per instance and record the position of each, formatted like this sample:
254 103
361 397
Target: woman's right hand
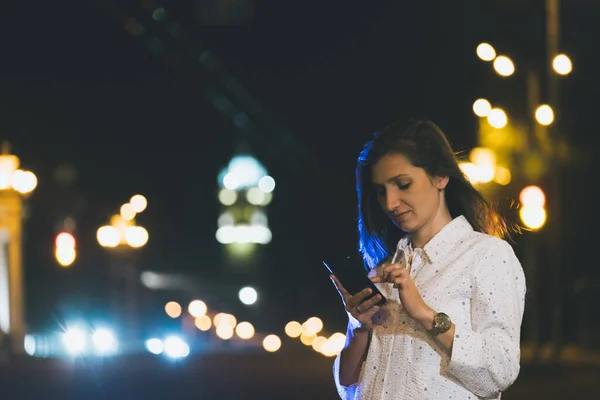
356 305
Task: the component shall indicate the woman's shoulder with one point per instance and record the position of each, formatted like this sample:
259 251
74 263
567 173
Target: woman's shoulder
485 241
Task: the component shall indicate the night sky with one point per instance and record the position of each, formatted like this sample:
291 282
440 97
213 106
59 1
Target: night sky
78 92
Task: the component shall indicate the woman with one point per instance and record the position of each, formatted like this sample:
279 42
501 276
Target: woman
451 325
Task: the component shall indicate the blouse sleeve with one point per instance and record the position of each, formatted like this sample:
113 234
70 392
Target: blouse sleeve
485 358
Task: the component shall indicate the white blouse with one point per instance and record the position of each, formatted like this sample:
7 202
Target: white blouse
478 281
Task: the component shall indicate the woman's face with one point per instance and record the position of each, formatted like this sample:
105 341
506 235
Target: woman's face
406 194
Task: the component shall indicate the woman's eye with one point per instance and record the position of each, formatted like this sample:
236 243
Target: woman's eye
403 187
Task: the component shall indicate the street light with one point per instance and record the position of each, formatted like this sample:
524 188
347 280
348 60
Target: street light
122 236
532 212
65 249
15 186
544 115
486 52
562 64
482 108
497 118
504 66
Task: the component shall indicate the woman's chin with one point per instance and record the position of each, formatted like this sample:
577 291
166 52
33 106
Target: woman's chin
405 226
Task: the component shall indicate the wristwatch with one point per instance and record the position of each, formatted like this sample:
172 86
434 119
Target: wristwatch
441 323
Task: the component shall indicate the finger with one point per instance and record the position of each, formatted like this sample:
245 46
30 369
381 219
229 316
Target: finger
376 279
387 271
368 304
340 288
369 314
399 283
398 273
358 298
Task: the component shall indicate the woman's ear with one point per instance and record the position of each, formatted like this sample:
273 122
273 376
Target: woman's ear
440 182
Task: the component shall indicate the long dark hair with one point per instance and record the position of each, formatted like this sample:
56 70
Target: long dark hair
426 146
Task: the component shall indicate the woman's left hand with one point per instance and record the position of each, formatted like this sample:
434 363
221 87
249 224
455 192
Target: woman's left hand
407 290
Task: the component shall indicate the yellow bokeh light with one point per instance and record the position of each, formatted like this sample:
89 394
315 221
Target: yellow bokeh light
486 52
173 309
65 240
334 345
482 107
271 343
244 330
227 197
502 176
224 319
293 329
108 236
470 171
497 118
562 64
203 323
127 212
8 165
224 331
197 308
23 181
65 255
544 115
136 236
482 156
318 343
256 196
312 326
307 338
138 203
532 196
533 217
504 66
477 173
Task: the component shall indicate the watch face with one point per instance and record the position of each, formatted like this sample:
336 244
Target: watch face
442 322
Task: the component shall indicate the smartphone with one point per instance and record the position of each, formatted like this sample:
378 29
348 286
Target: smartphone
350 271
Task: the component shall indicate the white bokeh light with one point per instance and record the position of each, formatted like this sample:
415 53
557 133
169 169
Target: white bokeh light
266 184
248 295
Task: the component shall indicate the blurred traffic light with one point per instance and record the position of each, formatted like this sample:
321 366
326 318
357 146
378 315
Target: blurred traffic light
533 211
65 249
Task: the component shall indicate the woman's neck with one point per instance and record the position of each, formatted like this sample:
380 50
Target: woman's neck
423 235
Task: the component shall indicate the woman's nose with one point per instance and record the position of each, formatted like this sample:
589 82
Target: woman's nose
392 200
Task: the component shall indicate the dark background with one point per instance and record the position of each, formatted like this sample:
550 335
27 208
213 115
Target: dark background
79 93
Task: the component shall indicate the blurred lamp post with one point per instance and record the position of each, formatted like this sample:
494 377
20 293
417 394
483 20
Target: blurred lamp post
532 211
65 249
15 185
245 189
122 237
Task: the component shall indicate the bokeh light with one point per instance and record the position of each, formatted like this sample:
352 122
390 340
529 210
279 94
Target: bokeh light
248 295
293 329
127 212
197 308
245 330
532 196
504 66
544 115
173 309
482 108
272 343
203 323
562 64
224 331
138 203
486 52
497 118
